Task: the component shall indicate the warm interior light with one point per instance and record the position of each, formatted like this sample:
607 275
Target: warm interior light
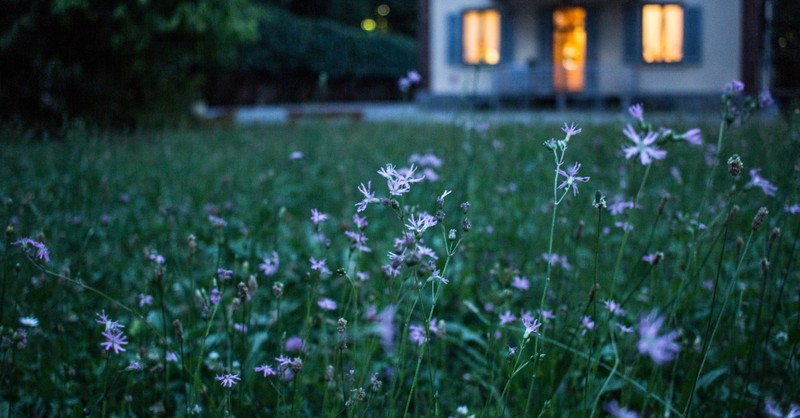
662 33
481 37
569 48
368 25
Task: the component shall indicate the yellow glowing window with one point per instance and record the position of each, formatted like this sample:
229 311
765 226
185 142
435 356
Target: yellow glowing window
662 33
481 37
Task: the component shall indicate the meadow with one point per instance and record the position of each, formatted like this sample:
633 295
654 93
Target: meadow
333 269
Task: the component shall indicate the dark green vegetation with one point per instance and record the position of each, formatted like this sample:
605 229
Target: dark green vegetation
100 202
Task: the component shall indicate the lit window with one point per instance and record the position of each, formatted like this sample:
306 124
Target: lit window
662 33
481 37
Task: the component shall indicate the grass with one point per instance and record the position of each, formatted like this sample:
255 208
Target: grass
106 205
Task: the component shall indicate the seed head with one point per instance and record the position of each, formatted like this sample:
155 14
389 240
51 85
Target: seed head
764 265
759 218
178 327
277 290
735 165
599 200
663 203
774 235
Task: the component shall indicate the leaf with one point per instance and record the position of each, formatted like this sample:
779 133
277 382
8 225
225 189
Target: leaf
710 377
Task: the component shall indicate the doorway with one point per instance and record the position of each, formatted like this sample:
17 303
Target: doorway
569 49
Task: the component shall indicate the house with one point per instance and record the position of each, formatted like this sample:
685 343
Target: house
596 50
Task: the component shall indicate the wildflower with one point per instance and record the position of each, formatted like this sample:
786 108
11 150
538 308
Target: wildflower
317 216
227 380
440 199
29 321
283 361
238 326
644 146
765 99
145 300
437 275
217 222
360 221
115 339
532 325
636 111
757 181
617 411
134 365
319 265
587 322
693 137
546 313
570 130
107 322
413 77
399 183
614 307
42 252
625 226
599 201
369 196
421 223
653 258
507 317
266 369
327 304
403 84
620 206
171 357
293 344
417 335
793 209
624 328
269 266
661 348
225 275
733 87
759 218
296 155
571 178
215 296
520 283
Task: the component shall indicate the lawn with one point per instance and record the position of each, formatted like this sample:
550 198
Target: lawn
230 271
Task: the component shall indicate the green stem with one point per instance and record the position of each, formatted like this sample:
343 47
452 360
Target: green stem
627 232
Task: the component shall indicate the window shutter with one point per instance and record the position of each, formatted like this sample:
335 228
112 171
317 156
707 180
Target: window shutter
632 26
592 48
454 43
692 34
543 82
506 37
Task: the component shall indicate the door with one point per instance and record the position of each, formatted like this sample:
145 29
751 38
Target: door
569 49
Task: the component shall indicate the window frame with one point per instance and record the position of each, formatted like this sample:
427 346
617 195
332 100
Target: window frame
500 35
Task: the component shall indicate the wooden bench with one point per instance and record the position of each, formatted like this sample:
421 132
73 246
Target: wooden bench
296 113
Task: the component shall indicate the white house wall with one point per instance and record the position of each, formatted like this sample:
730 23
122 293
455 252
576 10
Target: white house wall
721 51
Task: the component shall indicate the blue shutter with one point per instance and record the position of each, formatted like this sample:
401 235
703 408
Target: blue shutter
455 49
632 31
545 59
506 37
692 34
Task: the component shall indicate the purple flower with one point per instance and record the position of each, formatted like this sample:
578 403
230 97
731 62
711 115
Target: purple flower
215 296
225 275
107 322
693 137
317 216
413 77
266 369
570 130
765 99
293 344
399 183
620 206
403 84
270 264
227 380
319 265
296 155
115 339
546 313
171 357
661 348
422 222
772 409
238 326
757 181
532 325
587 322
614 307
520 283
360 221
417 334
793 209
624 328
145 300
283 361
369 196
327 304
571 178
644 146
733 87
133 366
506 318
28 244
617 411
217 222
637 111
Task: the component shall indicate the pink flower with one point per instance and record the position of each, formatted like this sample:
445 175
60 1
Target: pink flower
266 369
571 180
693 137
570 130
617 411
520 283
636 111
417 334
643 146
317 216
756 180
28 244
115 339
269 266
369 197
506 318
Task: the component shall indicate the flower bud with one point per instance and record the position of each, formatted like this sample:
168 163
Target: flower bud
735 165
759 218
277 290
